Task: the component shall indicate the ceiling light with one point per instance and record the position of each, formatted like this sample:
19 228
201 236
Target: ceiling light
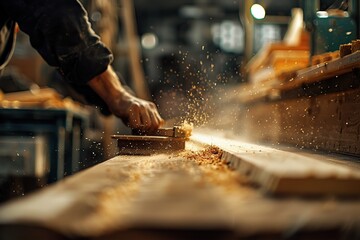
257 11
149 40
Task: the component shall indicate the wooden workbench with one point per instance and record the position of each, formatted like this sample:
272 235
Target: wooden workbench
316 107
172 196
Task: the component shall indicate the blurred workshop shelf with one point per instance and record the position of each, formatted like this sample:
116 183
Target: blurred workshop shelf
316 107
41 142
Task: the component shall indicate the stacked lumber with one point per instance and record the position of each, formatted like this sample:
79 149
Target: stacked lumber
344 50
278 59
316 107
323 58
323 67
46 98
322 71
275 60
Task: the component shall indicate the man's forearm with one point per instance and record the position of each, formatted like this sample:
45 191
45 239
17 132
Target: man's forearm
135 112
107 85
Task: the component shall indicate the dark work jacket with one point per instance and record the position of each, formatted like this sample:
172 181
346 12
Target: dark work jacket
7 41
60 31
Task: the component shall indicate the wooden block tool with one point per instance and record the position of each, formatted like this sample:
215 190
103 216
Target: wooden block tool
176 132
162 140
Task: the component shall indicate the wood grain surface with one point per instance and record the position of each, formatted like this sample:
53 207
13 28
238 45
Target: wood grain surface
328 122
132 196
285 172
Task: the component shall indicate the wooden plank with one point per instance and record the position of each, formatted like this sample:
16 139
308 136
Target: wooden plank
288 81
142 197
323 71
328 122
38 95
125 192
284 172
257 61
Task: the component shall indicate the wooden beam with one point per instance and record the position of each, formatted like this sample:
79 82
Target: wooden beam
286 172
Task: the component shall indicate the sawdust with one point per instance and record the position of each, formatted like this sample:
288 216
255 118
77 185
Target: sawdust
210 156
214 169
187 128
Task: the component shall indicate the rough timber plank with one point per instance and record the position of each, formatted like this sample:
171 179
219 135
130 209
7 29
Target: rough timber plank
126 192
171 197
283 172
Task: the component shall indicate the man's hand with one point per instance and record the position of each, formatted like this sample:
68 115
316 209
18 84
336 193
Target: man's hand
135 112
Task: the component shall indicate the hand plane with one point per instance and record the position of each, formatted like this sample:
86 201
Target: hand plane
162 140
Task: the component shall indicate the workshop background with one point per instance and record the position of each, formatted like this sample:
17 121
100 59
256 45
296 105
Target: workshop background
279 74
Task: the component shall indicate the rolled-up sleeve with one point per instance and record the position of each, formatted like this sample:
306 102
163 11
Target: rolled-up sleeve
60 31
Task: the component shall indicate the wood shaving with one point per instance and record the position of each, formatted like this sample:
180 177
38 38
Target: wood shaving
187 128
209 156
214 169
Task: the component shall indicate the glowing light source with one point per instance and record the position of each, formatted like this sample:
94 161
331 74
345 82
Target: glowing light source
149 40
257 11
